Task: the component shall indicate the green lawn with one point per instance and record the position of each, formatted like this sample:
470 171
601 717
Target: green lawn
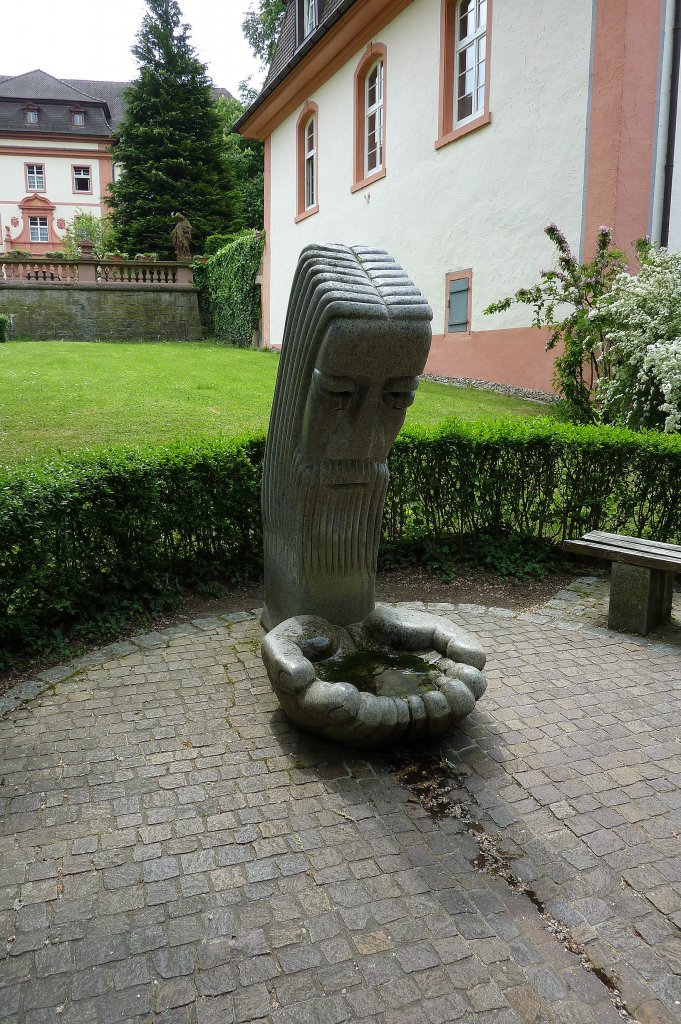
64 396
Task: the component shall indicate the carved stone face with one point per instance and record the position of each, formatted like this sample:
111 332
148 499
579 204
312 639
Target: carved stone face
359 393
357 337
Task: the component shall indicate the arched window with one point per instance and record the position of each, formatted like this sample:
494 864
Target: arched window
307 149
464 78
370 121
373 118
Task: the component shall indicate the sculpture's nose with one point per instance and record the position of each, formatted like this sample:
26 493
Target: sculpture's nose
366 429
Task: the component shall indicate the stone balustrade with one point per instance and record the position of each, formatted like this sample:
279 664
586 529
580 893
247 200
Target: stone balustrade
24 270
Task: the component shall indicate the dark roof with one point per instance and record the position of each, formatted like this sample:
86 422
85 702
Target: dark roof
110 92
102 101
38 85
287 56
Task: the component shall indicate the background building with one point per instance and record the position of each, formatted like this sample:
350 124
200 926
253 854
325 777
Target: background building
55 159
451 132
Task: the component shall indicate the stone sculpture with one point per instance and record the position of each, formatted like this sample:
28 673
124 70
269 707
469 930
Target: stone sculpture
356 340
181 237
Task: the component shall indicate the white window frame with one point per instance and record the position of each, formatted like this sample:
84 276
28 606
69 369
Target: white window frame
309 17
475 43
310 162
36 176
376 110
30 117
78 118
38 229
82 177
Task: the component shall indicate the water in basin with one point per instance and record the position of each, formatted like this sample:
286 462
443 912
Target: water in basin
383 673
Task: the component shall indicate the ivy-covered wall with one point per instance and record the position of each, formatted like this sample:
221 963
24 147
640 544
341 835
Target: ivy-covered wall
230 297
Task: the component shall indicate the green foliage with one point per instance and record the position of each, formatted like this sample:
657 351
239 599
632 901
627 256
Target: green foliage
244 163
563 301
101 536
513 556
261 27
233 296
169 143
86 227
4 327
216 242
641 316
97 536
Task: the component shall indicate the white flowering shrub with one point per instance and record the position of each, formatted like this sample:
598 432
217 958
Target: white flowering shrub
641 316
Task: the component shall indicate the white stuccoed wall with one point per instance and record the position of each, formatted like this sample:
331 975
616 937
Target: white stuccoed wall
58 183
481 202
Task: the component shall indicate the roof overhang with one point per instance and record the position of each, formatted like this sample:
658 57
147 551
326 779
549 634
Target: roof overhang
349 28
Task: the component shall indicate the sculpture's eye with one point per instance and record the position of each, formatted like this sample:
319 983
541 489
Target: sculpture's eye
399 399
400 394
337 392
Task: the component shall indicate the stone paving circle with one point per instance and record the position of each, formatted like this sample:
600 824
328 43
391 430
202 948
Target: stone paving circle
173 850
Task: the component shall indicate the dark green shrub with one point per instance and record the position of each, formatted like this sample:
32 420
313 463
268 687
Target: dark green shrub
97 537
4 327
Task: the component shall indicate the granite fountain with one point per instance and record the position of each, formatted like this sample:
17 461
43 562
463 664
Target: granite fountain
356 341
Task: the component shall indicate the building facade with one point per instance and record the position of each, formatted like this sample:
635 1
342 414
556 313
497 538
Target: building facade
451 132
55 155
55 158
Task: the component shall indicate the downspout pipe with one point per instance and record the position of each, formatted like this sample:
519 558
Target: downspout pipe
671 126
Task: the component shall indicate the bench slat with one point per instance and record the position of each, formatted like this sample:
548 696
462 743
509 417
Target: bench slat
613 553
633 543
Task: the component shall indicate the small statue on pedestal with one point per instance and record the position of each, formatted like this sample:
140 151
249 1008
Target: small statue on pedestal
181 237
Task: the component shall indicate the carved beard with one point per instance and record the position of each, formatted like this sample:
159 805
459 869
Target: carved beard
339 506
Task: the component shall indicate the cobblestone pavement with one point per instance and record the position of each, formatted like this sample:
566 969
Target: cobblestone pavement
173 851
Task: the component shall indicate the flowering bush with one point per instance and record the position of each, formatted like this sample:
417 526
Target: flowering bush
641 316
563 301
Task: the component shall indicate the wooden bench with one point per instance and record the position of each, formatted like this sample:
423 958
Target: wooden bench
642 581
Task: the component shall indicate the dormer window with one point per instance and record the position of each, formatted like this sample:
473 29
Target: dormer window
78 118
30 115
308 15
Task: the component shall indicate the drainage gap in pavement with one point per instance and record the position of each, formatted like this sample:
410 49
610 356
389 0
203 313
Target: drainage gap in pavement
434 783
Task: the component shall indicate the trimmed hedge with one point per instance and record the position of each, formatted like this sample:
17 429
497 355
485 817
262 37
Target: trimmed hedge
4 327
103 535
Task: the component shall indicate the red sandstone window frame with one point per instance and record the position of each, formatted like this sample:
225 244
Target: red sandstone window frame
459 275
310 112
449 129
44 176
80 191
360 178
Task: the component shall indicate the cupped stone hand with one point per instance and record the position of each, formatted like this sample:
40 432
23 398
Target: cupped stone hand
295 653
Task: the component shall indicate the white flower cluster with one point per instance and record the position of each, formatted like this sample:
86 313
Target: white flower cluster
641 316
663 361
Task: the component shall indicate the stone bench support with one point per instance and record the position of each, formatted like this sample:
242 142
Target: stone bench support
640 598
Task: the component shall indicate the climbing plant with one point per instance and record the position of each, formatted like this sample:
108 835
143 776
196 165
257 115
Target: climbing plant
233 297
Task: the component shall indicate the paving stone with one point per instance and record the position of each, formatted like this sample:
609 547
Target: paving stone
196 869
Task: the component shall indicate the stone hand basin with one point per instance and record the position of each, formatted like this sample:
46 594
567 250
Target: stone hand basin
396 676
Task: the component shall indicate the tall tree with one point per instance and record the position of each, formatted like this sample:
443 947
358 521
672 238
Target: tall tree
261 27
243 168
170 142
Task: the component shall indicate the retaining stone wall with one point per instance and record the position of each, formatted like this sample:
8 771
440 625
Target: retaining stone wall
96 313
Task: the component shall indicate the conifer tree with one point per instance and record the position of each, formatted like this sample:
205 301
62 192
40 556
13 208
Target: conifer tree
169 148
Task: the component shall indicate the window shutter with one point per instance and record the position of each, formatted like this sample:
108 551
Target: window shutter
458 305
